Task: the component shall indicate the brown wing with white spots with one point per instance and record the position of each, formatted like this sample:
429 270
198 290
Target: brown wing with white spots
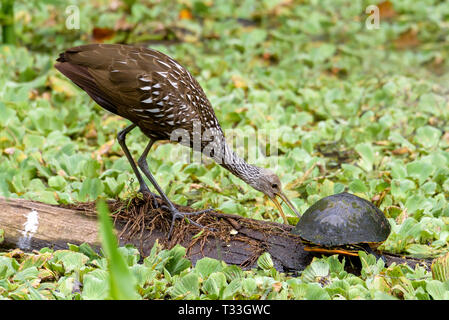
143 85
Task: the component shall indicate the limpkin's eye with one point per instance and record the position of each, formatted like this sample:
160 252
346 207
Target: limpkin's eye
274 186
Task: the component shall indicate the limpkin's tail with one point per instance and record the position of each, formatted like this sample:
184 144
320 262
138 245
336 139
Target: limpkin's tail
82 78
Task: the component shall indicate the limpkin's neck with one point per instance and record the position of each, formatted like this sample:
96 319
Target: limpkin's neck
237 166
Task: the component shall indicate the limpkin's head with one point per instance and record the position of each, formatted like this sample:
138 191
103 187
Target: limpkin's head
268 183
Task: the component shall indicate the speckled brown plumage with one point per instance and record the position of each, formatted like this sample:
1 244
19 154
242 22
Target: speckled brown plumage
159 96
143 85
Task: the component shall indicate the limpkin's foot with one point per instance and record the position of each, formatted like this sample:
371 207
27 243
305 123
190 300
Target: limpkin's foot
176 214
168 205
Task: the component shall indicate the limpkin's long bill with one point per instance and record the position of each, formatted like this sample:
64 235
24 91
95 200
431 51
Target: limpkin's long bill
278 205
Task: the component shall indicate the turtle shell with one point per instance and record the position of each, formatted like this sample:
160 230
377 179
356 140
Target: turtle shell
343 219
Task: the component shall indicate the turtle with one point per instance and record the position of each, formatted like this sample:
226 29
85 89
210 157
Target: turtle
342 223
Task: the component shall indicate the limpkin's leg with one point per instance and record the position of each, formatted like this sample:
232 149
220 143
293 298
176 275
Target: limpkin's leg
142 162
121 136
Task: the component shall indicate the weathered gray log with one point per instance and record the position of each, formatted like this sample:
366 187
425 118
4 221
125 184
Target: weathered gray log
31 225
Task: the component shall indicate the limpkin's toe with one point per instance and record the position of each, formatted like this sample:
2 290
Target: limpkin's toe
178 214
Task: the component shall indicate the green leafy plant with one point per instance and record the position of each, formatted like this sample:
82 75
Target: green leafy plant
7 21
122 282
308 75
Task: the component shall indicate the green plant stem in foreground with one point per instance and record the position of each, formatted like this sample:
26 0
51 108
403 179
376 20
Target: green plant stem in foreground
122 282
7 22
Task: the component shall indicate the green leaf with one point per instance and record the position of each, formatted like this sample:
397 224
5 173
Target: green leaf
34 294
335 266
66 285
249 286
254 37
57 182
86 249
232 288
400 188
338 288
7 115
265 262
91 189
143 274
27 274
309 291
370 265
420 250
130 254
323 52
316 271
232 272
72 261
440 268
206 266
113 188
428 136
91 168
229 207
177 262
419 170
214 285
398 170
96 285
187 286
41 196
358 186
438 290
366 152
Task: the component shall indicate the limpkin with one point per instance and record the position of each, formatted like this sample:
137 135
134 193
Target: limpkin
159 96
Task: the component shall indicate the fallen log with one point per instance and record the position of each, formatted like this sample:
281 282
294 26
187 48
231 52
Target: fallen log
31 225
